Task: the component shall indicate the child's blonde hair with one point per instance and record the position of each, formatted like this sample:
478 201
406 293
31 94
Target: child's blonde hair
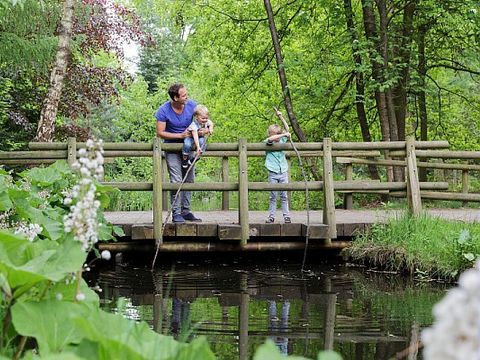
274 129
201 110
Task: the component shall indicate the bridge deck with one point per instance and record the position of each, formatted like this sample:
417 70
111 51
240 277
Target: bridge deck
222 226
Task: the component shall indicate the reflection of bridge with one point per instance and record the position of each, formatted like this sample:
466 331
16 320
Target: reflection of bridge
323 315
242 229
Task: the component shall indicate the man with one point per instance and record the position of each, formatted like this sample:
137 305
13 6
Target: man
173 119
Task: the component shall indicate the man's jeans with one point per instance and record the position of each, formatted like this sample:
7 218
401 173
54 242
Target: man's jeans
275 178
174 165
189 144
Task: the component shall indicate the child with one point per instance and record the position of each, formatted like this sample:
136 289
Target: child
200 121
277 166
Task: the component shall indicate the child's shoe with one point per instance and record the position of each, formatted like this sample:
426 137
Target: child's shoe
185 163
270 220
287 219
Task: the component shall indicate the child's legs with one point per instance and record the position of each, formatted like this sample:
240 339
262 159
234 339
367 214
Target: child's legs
283 179
201 141
272 207
187 146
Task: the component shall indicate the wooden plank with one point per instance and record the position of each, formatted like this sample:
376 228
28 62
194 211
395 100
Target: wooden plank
207 230
317 231
270 230
291 230
413 184
348 197
229 232
352 229
243 191
186 229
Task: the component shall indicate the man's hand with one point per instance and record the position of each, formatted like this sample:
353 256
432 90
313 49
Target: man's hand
185 134
287 134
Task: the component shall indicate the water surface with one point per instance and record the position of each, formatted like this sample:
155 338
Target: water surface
237 304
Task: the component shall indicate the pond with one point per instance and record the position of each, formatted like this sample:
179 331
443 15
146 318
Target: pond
238 303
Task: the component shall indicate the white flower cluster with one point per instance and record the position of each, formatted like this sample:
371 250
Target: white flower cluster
30 231
455 333
82 219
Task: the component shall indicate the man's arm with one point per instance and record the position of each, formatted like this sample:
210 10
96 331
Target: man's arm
161 125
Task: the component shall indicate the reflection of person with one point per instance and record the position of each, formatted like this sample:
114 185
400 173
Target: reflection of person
280 325
277 166
180 317
173 119
201 121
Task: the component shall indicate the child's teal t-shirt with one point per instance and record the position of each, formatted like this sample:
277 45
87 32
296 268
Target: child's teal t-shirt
276 161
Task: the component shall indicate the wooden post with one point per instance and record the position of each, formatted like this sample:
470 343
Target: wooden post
465 184
289 193
328 191
413 185
157 191
72 150
243 191
165 194
225 194
348 197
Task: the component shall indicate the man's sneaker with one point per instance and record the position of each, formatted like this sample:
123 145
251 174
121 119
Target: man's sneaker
185 163
178 219
190 217
287 219
270 220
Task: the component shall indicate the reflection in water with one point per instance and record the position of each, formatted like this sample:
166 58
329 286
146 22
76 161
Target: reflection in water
237 306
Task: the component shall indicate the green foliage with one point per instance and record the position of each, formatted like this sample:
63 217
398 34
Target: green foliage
425 245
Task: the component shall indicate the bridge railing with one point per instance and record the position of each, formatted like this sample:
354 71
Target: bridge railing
398 153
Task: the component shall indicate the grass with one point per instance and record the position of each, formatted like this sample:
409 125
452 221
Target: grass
426 246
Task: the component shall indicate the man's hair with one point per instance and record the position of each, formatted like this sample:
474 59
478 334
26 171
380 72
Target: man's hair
200 109
274 129
173 90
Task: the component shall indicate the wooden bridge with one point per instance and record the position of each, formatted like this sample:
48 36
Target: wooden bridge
237 228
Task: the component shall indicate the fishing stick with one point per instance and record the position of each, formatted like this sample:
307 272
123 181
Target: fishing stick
307 198
197 156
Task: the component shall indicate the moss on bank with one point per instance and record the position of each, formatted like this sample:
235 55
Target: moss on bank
425 246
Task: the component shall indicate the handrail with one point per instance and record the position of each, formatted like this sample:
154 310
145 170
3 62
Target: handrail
400 153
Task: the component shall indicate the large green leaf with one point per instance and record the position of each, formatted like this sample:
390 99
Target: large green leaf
24 263
62 356
42 176
198 349
5 202
120 338
269 351
49 322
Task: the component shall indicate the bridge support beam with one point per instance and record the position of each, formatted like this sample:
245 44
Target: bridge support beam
413 184
157 191
328 191
243 191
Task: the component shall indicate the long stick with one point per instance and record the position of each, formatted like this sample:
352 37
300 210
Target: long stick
307 198
176 197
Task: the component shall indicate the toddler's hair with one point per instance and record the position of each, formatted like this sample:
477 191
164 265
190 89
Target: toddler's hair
274 129
200 110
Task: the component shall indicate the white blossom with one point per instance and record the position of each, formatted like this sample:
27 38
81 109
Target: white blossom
455 333
80 296
30 231
83 213
106 255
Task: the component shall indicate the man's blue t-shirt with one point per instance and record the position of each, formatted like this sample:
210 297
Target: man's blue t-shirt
175 123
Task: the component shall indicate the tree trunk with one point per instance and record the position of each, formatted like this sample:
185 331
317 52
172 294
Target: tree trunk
359 83
281 73
46 125
422 102
371 35
400 90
